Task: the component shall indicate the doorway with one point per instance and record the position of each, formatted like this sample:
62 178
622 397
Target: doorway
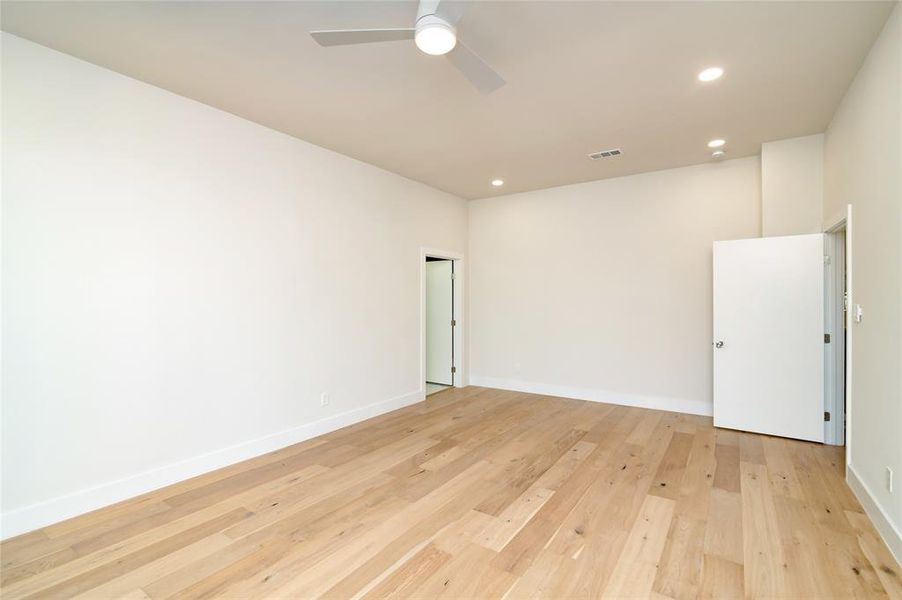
836 305
440 323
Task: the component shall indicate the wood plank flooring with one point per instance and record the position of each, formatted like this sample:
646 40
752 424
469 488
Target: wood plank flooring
483 493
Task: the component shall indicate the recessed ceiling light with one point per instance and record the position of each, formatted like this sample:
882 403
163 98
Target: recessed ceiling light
716 143
718 154
497 182
710 74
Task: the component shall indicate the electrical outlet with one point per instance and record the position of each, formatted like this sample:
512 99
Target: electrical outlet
324 399
889 480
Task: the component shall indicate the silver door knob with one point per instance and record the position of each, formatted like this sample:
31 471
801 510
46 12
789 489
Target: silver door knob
718 344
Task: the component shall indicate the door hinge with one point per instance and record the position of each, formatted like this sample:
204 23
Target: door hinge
826 260
453 322
826 416
454 369
826 338
452 275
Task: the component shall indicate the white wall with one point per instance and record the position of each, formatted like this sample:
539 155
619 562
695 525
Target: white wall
602 290
178 282
792 186
863 167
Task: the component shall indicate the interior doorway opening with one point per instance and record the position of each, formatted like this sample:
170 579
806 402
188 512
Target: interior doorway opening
440 323
837 287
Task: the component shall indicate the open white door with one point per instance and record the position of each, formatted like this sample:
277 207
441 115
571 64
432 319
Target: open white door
769 336
439 315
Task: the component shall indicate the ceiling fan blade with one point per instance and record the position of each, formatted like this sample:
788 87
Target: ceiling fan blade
450 10
341 37
482 76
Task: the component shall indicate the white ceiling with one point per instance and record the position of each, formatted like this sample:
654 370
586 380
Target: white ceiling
581 77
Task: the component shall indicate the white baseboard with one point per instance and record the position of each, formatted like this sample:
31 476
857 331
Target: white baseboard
693 407
885 527
35 516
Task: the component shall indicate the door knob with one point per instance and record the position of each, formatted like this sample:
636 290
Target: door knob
718 344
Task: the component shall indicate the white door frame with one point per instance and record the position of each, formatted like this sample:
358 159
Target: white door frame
839 430
460 375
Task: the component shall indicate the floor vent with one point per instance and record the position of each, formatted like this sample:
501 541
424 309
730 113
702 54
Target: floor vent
606 154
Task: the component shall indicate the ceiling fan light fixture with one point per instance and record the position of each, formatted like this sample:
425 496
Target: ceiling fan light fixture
434 33
435 36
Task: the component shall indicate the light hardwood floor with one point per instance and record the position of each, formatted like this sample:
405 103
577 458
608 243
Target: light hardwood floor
483 493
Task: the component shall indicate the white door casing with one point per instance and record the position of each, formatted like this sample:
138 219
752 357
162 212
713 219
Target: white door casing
769 316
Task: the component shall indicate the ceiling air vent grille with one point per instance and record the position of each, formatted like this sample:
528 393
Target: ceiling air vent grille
606 154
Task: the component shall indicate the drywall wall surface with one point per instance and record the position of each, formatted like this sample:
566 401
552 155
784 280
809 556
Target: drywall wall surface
792 186
180 286
863 167
603 290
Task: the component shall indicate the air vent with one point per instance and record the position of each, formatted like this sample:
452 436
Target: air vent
606 154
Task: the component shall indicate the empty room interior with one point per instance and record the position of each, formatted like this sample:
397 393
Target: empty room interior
458 299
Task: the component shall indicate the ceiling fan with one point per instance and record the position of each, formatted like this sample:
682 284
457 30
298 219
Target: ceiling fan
434 32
